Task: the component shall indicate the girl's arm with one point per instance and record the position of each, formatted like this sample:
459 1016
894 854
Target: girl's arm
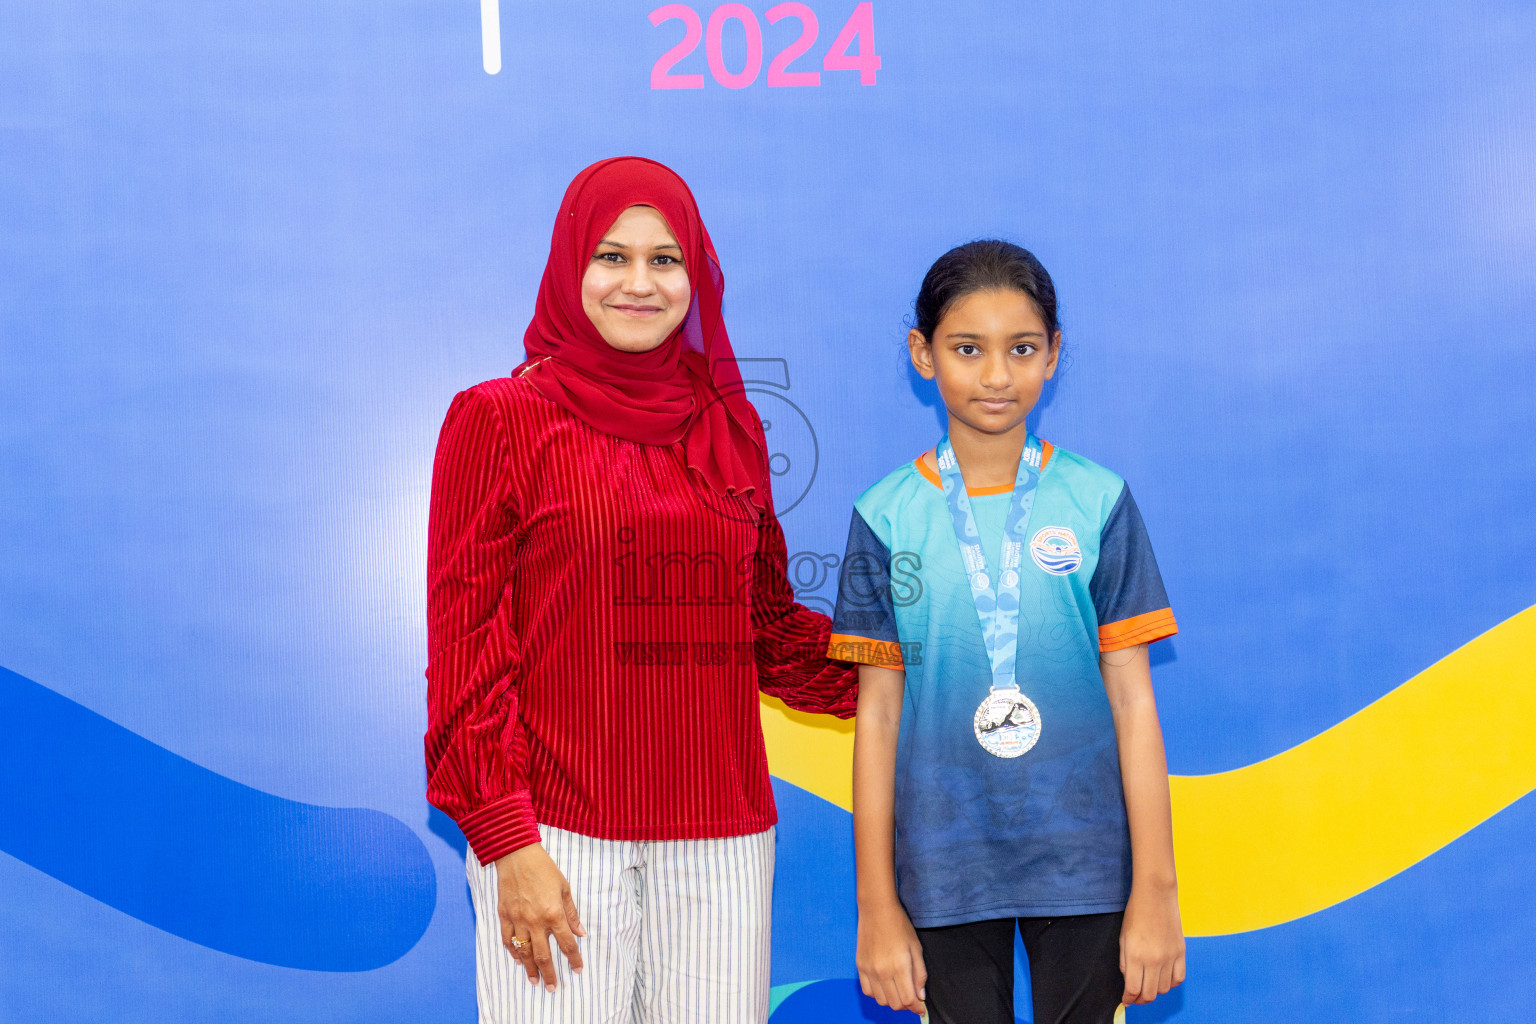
889 958
1152 937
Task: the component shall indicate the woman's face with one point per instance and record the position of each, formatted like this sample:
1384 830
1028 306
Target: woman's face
635 288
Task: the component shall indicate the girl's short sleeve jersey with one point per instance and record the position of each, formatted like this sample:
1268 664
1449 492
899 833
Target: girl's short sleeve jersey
977 836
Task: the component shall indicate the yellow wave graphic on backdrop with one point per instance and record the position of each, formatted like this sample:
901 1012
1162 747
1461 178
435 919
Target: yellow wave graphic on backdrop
1329 818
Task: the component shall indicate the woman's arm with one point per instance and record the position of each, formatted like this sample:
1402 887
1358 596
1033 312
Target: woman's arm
889 957
475 749
1152 937
476 752
789 640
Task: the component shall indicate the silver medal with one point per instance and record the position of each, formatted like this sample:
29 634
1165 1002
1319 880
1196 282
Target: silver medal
1007 723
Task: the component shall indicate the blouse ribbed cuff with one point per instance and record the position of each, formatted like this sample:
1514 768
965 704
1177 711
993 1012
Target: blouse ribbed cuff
501 827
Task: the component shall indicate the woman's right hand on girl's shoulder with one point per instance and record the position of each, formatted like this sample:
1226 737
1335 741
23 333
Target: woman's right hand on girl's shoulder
534 903
890 959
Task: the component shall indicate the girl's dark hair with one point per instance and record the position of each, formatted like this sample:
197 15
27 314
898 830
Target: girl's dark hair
987 265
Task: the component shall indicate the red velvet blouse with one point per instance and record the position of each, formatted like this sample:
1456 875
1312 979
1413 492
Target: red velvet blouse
598 628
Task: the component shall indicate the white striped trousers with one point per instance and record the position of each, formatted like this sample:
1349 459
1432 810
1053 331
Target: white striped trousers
678 932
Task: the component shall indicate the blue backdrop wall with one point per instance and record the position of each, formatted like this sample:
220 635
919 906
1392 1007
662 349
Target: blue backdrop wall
249 251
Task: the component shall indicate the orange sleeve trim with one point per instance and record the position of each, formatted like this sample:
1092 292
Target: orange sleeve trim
1138 629
1046 448
864 651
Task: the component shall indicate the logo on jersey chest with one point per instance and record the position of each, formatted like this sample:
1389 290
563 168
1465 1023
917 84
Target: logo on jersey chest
1054 549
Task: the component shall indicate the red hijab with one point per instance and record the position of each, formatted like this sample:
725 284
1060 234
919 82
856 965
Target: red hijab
686 390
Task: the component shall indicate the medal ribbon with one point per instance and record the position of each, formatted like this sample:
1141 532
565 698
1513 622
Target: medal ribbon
996 597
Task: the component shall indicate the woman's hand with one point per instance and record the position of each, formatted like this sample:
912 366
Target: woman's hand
890 959
1151 944
534 903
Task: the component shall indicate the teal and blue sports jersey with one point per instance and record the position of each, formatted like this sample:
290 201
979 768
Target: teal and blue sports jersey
981 837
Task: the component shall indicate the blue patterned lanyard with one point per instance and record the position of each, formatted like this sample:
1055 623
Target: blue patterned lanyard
997 606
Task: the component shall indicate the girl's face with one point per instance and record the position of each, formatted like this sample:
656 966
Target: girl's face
635 288
990 356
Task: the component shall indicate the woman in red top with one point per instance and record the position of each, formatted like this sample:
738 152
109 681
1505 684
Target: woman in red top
607 595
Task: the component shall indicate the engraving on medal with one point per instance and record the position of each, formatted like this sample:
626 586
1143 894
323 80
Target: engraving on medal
1007 723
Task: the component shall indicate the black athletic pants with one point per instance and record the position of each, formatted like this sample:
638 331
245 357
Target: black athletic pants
1074 969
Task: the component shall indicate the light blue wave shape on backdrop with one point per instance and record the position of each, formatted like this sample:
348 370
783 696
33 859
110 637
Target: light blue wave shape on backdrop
201 856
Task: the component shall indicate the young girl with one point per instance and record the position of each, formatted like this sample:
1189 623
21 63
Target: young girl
1009 771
